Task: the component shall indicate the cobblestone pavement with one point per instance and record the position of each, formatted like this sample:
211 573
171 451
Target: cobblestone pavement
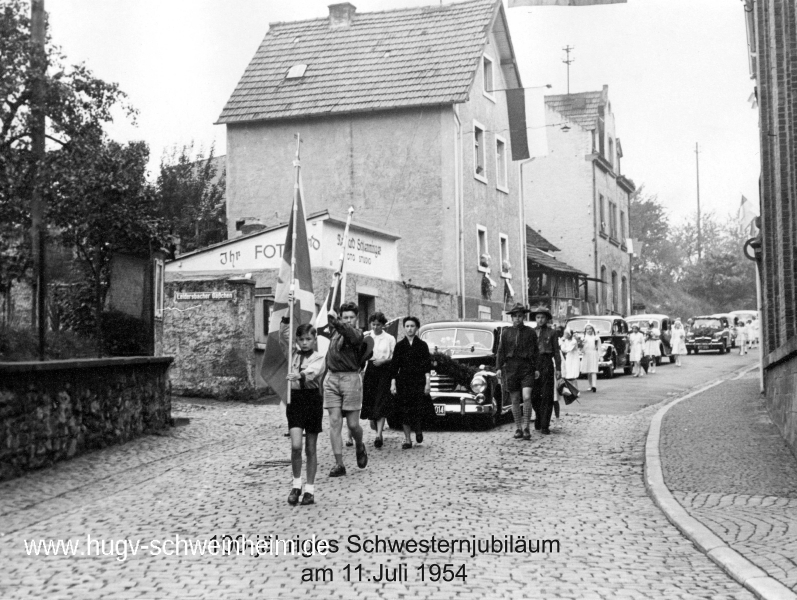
725 462
226 473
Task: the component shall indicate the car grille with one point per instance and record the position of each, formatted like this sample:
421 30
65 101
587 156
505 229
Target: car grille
442 383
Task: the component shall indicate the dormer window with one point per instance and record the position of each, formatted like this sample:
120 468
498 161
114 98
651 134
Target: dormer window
296 72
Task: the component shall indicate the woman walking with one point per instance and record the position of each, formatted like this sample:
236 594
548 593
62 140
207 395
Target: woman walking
653 346
637 341
571 363
412 367
377 400
590 345
678 341
741 337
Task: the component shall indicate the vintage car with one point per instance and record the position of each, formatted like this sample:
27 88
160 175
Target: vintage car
709 333
613 331
463 379
663 324
732 322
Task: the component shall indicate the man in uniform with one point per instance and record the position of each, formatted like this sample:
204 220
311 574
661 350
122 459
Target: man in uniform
516 360
549 366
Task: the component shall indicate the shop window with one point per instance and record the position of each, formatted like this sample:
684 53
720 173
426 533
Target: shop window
367 306
501 175
478 152
483 258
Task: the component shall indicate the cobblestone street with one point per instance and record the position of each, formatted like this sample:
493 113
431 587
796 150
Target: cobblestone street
226 472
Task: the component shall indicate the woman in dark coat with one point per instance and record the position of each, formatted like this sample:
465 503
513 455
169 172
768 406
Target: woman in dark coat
412 366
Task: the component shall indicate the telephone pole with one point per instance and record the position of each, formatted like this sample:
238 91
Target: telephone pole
699 227
568 61
38 232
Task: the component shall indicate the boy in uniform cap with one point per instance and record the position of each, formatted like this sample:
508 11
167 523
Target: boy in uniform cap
549 367
516 359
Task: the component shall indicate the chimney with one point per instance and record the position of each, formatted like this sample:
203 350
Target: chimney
341 15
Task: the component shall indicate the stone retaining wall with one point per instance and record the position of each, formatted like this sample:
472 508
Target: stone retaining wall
52 411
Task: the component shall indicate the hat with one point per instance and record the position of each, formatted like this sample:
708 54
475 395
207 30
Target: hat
635 326
541 310
518 308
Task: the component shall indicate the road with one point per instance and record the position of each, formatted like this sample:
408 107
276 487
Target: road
226 472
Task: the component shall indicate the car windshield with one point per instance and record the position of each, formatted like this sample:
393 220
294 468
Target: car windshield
714 323
643 323
602 326
459 339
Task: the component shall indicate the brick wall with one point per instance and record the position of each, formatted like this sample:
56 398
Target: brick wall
776 45
55 410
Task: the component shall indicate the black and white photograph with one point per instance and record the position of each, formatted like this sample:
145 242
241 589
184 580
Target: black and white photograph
421 299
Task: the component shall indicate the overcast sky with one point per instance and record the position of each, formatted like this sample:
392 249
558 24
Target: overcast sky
677 72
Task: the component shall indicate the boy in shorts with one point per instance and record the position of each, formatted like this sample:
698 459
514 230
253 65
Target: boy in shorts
343 386
305 412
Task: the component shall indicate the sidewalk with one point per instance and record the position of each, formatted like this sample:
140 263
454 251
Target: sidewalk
725 463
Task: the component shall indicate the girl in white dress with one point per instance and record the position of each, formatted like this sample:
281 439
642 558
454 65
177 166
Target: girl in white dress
637 341
741 337
678 341
591 345
652 345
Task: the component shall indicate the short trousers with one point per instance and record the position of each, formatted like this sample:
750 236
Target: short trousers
343 390
306 410
518 374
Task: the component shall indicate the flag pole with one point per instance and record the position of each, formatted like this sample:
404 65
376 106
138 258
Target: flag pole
339 273
292 300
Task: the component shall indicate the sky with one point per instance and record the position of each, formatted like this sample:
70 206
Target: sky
677 72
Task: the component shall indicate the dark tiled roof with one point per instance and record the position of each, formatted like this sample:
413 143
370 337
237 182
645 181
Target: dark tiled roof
581 109
534 238
383 60
539 257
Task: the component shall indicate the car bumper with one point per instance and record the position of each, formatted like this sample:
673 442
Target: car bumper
712 345
460 403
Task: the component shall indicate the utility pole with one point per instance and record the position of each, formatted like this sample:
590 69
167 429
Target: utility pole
568 61
38 231
699 226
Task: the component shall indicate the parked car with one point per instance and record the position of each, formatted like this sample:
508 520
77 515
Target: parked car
472 345
709 333
664 324
731 326
613 331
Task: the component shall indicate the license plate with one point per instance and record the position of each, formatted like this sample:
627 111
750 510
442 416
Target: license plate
440 410
703 347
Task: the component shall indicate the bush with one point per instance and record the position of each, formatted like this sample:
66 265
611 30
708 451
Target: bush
124 335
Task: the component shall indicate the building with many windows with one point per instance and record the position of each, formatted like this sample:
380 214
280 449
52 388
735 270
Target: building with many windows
578 198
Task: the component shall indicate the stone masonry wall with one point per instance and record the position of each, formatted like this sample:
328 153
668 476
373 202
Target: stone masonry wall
212 340
55 410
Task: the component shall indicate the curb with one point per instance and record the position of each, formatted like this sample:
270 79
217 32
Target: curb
734 564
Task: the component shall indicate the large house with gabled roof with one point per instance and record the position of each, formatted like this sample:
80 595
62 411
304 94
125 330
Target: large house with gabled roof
403 115
580 199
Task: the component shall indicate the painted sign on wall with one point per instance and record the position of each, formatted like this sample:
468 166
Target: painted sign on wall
368 252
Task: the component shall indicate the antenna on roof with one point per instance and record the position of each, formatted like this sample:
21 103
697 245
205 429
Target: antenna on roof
568 61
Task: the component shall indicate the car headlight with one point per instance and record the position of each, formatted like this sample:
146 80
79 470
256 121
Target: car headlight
716 336
478 384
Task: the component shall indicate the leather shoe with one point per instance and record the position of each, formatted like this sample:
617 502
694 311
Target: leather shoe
337 471
362 456
293 497
378 442
526 434
518 434
307 499
419 437
546 432
406 445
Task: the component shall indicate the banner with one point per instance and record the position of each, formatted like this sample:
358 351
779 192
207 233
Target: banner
275 364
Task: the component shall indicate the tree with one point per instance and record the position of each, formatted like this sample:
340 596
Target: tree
77 106
191 198
101 203
650 224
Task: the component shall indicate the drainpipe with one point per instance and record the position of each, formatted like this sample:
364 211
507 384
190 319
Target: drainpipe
459 203
523 273
596 232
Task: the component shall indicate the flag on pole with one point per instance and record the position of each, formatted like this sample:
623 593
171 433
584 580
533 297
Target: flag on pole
746 215
275 365
516 3
322 327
